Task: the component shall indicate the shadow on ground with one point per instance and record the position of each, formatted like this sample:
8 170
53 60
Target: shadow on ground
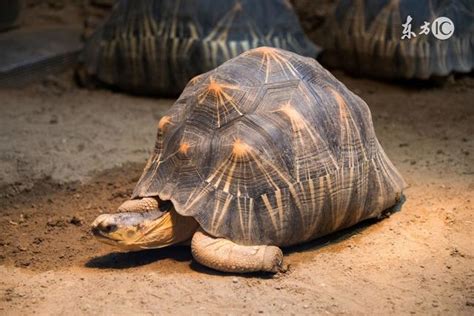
125 260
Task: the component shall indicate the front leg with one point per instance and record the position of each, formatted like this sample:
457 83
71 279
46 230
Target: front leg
224 255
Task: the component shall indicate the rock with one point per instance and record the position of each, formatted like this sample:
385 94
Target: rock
38 240
22 248
53 119
76 220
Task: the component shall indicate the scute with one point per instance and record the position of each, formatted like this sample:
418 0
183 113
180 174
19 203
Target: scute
300 160
221 100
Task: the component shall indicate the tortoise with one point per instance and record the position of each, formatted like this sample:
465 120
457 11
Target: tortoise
366 37
157 46
268 150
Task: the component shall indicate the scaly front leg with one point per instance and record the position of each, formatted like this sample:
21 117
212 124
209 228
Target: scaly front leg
224 255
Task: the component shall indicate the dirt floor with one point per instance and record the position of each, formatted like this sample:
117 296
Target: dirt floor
59 131
69 154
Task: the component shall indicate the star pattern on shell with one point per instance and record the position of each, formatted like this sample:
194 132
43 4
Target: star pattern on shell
280 162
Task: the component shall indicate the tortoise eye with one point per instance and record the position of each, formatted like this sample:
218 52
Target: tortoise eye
110 228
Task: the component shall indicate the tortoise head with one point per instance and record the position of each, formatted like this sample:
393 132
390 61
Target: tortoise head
143 224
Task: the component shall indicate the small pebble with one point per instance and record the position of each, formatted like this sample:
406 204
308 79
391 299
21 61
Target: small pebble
76 220
22 248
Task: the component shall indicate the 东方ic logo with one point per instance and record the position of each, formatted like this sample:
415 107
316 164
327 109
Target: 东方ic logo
442 28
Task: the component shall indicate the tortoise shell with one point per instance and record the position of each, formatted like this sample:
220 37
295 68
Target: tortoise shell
270 148
157 46
366 37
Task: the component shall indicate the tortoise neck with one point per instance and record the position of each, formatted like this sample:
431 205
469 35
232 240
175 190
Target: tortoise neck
170 229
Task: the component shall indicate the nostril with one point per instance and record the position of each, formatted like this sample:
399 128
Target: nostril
103 224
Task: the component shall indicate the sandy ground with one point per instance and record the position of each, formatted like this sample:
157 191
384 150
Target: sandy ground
56 130
68 154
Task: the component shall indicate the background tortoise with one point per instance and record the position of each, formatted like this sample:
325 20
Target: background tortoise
365 37
156 46
267 150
